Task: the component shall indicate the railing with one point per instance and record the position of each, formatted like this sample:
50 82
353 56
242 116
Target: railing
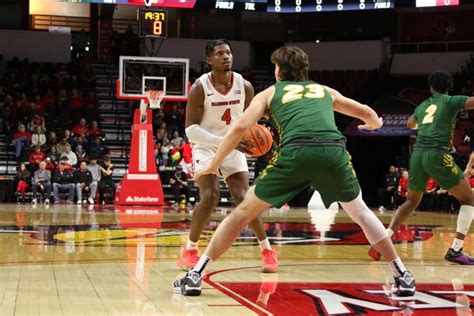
432 47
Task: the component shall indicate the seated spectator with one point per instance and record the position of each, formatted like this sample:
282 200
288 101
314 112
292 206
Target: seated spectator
387 194
187 154
95 170
443 201
165 149
53 155
179 182
38 138
35 158
173 119
83 180
61 146
37 121
80 148
42 182
21 139
95 131
97 149
69 138
23 176
63 180
71 156
106 179
52 140
161 133
75 102
429 195
49 101
176 139
402 188
39 104
64 161
81 129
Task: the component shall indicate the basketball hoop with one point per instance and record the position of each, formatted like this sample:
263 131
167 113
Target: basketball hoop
154 98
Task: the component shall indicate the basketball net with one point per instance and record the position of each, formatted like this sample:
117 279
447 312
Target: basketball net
154 98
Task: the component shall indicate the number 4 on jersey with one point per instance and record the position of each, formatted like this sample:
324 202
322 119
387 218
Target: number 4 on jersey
226 117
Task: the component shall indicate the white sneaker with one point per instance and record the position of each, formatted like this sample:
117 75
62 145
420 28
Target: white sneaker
90 200
84 201
46 201
79 202
34 201
381 209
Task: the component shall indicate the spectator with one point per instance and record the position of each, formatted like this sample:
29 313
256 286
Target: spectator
61 146
94 130
173 119
54 156
80 148
52 140
35 158
71 156
63 180
95 170
429 195
41 182
83 179
187 157
179 182
158 119
75 103
402 188
49 101
68 137
387 194
21 139
23 177
81 129
91 104
98 149
38 138
165 149
176 139
443 202
106 180
37 121
161 133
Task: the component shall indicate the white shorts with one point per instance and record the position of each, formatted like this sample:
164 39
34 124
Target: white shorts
234 163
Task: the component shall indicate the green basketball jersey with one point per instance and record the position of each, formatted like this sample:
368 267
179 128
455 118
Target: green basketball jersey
436 118
303 110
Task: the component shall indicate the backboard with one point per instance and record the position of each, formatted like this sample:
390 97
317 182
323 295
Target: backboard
138 74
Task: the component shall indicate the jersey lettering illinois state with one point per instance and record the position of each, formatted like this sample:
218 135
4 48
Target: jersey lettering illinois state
222 109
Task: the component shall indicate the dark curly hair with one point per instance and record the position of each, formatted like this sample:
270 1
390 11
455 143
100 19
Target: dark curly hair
441 81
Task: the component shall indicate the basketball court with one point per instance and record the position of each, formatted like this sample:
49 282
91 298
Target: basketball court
70 260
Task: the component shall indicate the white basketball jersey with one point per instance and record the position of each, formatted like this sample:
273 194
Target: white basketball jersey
222 109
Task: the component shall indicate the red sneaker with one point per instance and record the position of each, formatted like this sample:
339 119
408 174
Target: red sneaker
270 261
374 254
188 258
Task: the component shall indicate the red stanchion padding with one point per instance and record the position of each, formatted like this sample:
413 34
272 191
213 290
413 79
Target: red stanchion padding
141 185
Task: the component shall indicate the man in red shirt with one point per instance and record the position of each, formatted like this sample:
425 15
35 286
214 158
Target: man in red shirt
95 130
402 188
471 178
21 139
35 158
187 154
81 129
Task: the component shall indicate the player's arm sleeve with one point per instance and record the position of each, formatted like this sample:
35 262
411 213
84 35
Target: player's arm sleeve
198 135
460 102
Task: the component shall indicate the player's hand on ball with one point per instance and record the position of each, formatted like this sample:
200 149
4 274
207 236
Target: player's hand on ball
370 126
205 171
244 146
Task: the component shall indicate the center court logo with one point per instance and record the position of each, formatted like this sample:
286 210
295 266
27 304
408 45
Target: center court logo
142 199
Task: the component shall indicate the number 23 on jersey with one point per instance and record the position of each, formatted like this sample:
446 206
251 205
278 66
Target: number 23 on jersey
296 92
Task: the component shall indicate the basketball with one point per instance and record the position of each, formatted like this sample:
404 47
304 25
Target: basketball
260 138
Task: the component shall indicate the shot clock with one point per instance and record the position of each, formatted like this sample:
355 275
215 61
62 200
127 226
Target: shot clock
152 23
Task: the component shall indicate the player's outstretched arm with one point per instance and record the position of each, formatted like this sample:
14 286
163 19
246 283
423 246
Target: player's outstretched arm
257 109
194 114
469 104
355 109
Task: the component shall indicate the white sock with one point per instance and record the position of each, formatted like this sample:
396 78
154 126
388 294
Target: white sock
397 266
191 245
457 244
264 244
203 263
466 212
389 232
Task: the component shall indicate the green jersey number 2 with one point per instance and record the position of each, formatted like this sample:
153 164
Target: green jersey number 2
430 112
296 92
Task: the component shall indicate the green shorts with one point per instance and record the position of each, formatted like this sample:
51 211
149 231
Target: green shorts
435 164
327 168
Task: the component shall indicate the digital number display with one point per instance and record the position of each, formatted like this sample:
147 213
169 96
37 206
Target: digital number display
152 23
436 3
297 6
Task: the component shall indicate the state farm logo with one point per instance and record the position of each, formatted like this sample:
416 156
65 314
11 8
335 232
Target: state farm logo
311 298
142 199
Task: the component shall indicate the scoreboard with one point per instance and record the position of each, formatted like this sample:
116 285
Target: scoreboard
296 6
152 23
